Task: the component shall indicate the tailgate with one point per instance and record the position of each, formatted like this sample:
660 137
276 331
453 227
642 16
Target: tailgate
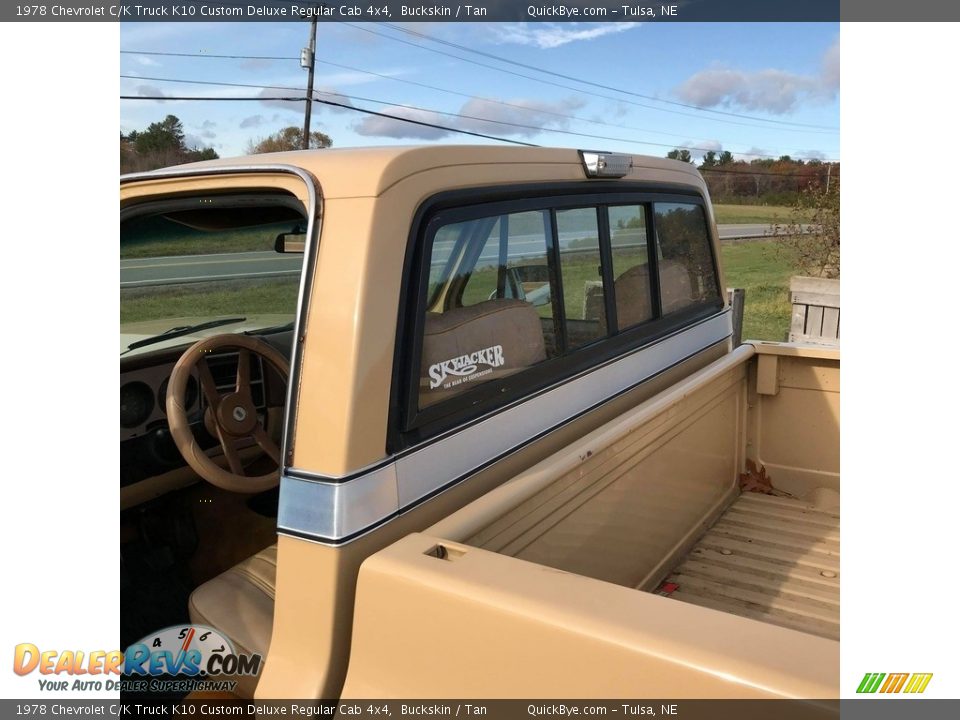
444 620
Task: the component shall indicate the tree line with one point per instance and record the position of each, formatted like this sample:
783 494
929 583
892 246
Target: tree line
164 144
765 181
762 181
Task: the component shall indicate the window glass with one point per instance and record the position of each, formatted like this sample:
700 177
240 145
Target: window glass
685 264
628 247
578 236
489 303
166 284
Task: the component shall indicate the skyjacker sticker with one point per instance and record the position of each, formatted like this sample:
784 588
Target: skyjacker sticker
465 367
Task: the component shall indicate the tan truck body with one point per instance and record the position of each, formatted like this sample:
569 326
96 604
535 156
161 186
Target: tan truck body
532 574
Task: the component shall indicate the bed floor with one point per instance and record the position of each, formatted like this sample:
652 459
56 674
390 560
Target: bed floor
768 558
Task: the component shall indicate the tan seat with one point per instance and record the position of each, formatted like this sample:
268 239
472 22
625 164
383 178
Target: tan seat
632 291
513 326
239 603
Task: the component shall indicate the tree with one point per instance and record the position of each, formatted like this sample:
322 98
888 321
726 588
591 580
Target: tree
161 136
681 155
709 159
162 144
726 157
290 138
812 234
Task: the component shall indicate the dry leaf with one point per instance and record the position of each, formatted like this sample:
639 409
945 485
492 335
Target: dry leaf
754 480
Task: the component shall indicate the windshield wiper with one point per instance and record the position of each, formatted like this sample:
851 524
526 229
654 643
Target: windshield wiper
269 330
182 330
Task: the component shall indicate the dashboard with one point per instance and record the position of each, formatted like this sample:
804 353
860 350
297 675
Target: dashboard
147 448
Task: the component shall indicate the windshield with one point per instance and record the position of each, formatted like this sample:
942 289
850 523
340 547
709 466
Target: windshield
205 266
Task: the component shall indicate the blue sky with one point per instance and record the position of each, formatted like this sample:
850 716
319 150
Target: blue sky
786 73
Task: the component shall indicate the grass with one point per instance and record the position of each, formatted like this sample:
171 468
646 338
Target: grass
155 236
763 269
752 214
250 297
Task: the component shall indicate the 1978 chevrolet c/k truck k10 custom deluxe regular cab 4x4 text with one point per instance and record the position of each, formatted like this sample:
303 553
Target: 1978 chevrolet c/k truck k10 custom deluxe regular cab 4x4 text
473 425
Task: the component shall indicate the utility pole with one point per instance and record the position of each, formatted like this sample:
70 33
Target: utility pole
829 168
308 61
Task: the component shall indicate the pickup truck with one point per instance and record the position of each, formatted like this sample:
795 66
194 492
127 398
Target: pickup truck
468 422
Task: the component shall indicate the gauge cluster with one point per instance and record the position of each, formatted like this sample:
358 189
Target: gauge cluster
147 448
143 400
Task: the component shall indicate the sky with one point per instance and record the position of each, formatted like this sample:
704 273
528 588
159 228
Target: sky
753 89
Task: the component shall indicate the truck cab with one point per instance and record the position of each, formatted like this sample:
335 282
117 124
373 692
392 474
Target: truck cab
379 403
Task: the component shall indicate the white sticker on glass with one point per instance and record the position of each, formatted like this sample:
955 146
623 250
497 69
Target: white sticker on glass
465 368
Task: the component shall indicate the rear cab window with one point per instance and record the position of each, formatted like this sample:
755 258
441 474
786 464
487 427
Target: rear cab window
509 297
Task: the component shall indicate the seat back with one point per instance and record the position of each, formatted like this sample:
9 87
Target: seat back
482 342
632 290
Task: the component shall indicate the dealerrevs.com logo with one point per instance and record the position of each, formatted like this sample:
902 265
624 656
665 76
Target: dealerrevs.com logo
179 658
909 683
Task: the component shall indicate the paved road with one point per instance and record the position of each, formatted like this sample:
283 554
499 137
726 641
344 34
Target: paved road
141 272
144 272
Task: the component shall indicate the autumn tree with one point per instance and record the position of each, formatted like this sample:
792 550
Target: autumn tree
289 138
812 233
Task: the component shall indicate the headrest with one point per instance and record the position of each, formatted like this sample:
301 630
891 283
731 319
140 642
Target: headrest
632 290
676 292
474 344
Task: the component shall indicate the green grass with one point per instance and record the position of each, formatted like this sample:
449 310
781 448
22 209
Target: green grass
748 214
159 237
233 298
763 269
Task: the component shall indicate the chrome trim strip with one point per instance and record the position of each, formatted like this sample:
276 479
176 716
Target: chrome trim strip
332 512
337 510
314 222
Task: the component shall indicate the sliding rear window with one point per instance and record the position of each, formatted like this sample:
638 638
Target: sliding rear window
513 296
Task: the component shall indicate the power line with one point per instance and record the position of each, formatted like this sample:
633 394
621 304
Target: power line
422 85
461 116
516 63
335 104
745 173
581 90
206 55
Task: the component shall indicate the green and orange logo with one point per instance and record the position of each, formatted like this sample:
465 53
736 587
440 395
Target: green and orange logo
894 683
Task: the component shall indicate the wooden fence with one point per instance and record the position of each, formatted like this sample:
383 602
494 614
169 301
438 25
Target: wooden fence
816 311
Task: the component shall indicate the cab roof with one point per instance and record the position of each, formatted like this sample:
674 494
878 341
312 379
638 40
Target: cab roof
369 172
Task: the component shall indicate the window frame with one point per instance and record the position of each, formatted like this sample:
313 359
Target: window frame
410 425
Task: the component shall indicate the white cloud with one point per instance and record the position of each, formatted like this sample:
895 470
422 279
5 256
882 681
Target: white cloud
552 35
754 153
252 121
150 91
147 61
195 142
770 90
206 130
698 148
268 98
534 115
375 126
330 94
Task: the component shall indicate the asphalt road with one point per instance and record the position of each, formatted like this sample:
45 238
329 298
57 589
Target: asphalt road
145 272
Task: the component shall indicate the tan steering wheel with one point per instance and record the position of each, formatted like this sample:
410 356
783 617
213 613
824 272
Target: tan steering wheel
232 415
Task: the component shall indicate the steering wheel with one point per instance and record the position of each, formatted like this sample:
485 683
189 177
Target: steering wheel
231 416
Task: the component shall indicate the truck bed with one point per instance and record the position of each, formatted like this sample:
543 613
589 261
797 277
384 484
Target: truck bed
567 563
767 558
